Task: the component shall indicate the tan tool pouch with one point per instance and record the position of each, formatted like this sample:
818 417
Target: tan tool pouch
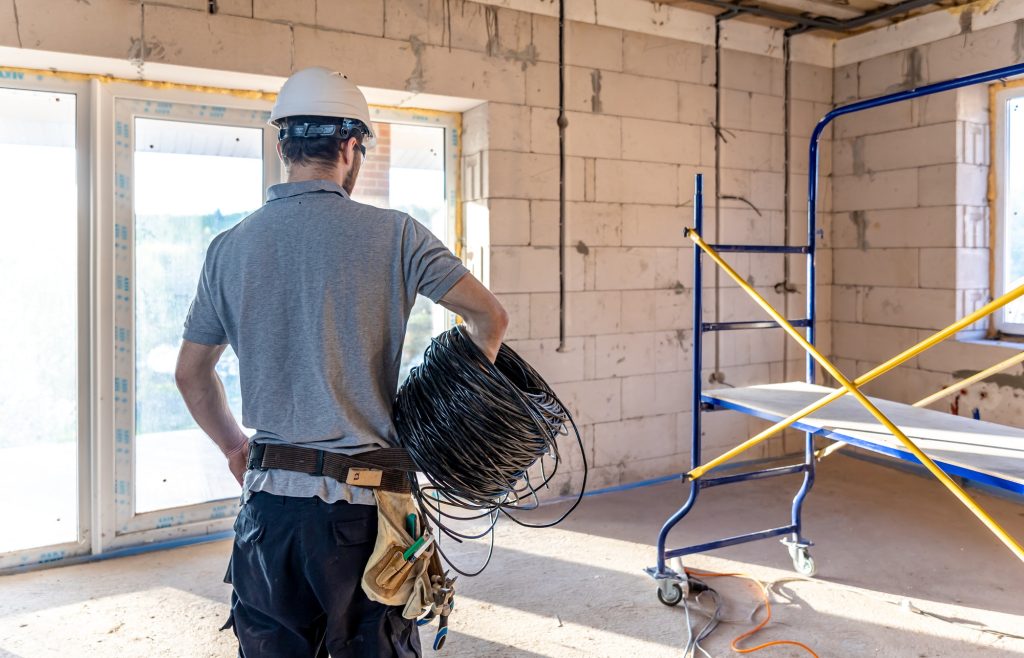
389 578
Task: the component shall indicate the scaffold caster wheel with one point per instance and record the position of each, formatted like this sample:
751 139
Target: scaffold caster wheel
803 563
673 597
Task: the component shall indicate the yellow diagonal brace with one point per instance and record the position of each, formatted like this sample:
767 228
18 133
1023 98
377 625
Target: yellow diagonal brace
876 372
955 489
977 377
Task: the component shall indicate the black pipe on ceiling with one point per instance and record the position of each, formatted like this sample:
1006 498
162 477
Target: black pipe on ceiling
805 23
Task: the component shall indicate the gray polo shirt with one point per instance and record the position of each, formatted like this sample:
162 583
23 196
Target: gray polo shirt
313 291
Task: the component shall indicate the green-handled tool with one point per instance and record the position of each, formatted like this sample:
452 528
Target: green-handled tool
409 552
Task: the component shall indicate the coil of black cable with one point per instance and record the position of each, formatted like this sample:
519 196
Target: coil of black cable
480 432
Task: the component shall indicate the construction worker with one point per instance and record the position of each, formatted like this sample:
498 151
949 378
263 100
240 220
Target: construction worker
313 292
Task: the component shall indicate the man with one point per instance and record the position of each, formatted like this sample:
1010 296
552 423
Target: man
313 292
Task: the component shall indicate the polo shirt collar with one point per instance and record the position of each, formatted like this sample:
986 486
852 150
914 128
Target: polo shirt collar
282 190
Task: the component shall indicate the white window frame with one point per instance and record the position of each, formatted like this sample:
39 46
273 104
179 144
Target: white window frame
122 524
1001 95
104 529
58 553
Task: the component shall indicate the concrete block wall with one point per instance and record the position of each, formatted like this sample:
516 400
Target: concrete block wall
911 220
640 110
638 132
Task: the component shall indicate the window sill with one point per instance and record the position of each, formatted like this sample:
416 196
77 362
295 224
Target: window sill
978 338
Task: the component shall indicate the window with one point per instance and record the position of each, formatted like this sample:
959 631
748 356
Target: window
1008 159
39 388
183 171
218 179
191 181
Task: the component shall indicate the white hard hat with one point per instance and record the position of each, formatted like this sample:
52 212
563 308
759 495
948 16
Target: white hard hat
321 92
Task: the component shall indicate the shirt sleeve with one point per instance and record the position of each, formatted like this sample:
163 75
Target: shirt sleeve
431 269
202 324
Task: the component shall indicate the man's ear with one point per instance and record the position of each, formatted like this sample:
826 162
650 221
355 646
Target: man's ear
348 151
279 154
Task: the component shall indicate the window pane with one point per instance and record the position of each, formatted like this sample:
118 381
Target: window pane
38 342
406 172
191 181
1013 270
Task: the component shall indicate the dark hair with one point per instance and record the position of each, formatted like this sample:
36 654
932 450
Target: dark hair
321 151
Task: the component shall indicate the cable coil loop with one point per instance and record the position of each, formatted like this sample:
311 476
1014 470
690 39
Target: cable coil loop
484 435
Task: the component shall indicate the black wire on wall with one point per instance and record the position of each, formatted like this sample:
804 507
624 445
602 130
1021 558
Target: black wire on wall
563 123
787 86
718 181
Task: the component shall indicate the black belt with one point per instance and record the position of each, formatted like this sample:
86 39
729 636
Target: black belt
394 463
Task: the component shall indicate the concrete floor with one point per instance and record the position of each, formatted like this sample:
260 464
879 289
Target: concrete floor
882 536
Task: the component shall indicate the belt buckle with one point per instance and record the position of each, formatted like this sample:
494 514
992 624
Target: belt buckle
256 454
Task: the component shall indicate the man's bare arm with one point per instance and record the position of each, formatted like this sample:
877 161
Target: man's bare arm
206 401
486 319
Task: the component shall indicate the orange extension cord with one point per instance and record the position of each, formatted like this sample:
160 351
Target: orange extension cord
768 617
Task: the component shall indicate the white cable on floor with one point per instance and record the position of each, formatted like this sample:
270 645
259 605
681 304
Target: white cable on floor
687 653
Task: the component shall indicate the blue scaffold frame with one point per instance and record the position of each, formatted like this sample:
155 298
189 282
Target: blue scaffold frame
792 533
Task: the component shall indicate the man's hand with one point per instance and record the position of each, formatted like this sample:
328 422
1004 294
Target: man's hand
204 396
238 461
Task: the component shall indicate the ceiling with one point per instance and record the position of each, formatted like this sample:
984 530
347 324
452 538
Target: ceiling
776 13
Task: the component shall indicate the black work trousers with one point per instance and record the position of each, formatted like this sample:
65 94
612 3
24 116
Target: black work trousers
296 569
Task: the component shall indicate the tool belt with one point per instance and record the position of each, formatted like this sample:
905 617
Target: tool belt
405 568
387 469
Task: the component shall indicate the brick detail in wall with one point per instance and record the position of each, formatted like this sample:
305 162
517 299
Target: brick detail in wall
374 185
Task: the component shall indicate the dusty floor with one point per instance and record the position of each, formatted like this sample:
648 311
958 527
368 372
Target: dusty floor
579 591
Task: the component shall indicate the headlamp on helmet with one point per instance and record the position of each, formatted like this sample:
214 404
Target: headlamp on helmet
343 130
